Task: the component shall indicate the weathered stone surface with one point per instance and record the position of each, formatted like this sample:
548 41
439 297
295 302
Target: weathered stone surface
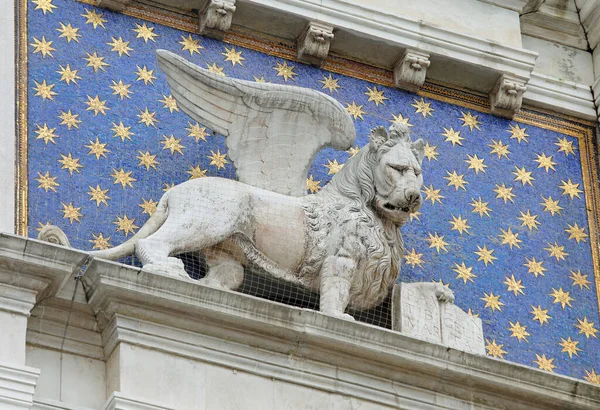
313 43
411 69
215 17
460 330
507 96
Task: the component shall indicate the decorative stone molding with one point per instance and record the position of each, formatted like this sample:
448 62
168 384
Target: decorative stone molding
17 386
411 69
215 18
596 92
114 5
507 96
118 401
313 44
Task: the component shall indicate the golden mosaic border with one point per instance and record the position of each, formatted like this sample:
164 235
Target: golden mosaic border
584 131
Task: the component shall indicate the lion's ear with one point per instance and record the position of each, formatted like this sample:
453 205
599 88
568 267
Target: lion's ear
377 138
418 148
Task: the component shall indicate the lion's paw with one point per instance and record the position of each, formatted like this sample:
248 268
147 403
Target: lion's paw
444 294
344 316
171 267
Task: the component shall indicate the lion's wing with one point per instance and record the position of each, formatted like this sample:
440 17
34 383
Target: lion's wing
273 131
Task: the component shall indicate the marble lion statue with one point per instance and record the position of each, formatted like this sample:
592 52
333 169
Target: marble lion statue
343 241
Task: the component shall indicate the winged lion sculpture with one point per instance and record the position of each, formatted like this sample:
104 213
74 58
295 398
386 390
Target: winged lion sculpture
343 241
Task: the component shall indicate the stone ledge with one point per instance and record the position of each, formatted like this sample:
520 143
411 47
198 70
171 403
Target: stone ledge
596 92
359 350
17 385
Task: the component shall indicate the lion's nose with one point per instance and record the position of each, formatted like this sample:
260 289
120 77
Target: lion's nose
412 195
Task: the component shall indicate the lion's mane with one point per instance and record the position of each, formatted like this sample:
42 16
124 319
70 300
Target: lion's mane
348 198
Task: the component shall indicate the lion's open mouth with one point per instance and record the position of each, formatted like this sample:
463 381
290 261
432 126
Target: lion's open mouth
391 207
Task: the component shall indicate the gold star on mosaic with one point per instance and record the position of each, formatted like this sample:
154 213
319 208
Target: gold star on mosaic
217 159
69 32
432 194
191 45
541 315
353 150
121 89
586 328
535 267
518 133
45 5
197 132
172 144
260 79
437 242
196 172
97 148
576 232
330 83
580 279
476 163
562 297
545 162
423 108
524 176
147 160
100 242
499 149
376 96
148 206
494 349
414 215
312 185
121 131
47 182
70 212
514 285
465 273
430 152
492 301
333 167
42 226
544 363
452 136
96 105
355 110
285 71
456 180
145 32
99 195
509 238
93 18
125 224
557 251
123 178
145 75
569 346
67 75
44 90
459 224
470 120
571 189
566 146
43 47
96 62
529 220
147 118
519 331
485 255
234 56
69 163
168 186
471 313
505 193
213 68
46 134
480 207
169 103
592 377
399 119
550 205
413 258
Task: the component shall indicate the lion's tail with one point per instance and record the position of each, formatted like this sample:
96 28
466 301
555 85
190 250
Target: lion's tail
128 248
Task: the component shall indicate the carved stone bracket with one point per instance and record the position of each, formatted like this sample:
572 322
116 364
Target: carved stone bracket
507 96
215 18
410 70
313 44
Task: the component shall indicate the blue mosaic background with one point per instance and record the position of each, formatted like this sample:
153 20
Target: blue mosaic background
535 291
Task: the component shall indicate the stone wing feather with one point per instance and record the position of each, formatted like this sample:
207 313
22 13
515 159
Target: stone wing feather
273 131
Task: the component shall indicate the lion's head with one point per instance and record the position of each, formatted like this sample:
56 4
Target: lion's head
385 174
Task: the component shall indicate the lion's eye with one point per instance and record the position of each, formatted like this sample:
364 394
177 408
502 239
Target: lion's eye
401 169
417 172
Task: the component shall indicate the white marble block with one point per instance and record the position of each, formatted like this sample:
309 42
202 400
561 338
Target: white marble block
425 311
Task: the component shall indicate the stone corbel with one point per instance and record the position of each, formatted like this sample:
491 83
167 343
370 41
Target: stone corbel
215 18
507 96
113 5
313 44
410 70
